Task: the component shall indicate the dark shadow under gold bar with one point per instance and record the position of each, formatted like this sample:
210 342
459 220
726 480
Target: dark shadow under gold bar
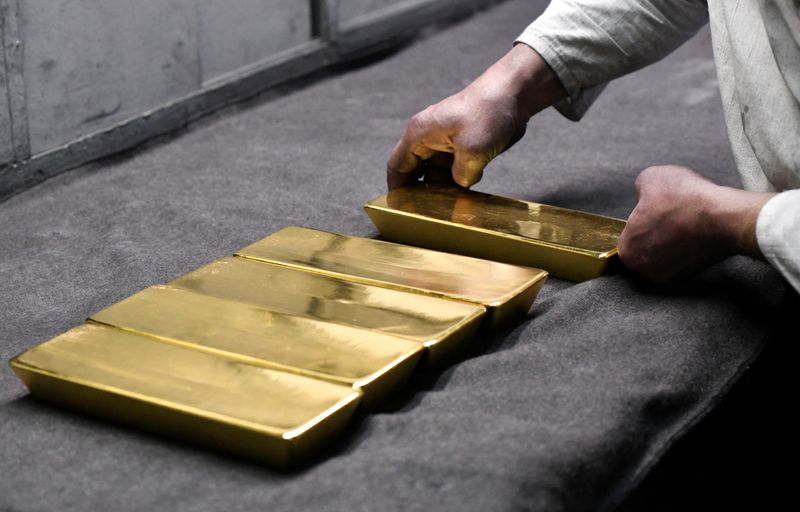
259 413
507 291
567 243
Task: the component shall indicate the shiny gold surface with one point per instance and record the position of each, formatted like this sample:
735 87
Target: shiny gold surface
567 243
372 361
440 325
260 413
505 289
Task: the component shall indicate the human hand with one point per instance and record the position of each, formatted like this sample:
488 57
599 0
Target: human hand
683 223
467 130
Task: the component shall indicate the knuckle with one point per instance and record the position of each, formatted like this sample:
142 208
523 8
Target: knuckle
421 120
415 124
648 173
473 148
466 153
647 177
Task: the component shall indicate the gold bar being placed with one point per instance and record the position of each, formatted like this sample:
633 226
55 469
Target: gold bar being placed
262 414
369 360
567 243
441 326
507 291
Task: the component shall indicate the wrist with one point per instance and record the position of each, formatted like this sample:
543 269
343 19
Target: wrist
524 76
736 213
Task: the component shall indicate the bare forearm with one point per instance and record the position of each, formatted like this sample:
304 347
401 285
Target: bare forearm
525 76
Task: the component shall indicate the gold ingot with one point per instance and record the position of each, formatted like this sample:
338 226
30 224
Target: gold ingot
507 291
441 326
567 243
259 413
369 360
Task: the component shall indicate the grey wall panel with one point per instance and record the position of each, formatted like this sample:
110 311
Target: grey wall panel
349 9
91 63
6 147
88 78
235 33
13 118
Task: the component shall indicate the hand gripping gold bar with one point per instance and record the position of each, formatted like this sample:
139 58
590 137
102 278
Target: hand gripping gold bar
567 243
259 413
507 291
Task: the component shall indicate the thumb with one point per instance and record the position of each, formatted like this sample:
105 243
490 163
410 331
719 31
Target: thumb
467 168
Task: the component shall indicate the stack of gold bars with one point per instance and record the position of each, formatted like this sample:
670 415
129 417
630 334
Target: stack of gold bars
268 353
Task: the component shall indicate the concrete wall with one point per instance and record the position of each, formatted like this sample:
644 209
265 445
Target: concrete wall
6 150
89 64
352 9
81 79
13 119
236 33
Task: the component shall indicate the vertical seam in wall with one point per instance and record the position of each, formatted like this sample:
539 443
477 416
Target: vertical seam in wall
4 69
324 19
15 84
201 65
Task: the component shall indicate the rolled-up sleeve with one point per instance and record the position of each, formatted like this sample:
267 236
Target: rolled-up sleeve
588 43
778 234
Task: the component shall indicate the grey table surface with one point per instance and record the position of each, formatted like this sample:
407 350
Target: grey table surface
566 412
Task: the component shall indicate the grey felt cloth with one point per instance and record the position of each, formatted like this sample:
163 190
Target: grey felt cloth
566 412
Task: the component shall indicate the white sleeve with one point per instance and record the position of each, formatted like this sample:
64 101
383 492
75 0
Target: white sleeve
778 234
588 43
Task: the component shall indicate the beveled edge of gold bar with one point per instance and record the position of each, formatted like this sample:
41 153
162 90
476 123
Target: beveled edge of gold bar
409 358
275 446
537 274
253 441
295 433
371 205
451 340
17 363
475 316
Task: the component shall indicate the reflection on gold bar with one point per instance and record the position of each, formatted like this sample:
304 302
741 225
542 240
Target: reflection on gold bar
567 243
442 326
263 414
506 290
370 360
